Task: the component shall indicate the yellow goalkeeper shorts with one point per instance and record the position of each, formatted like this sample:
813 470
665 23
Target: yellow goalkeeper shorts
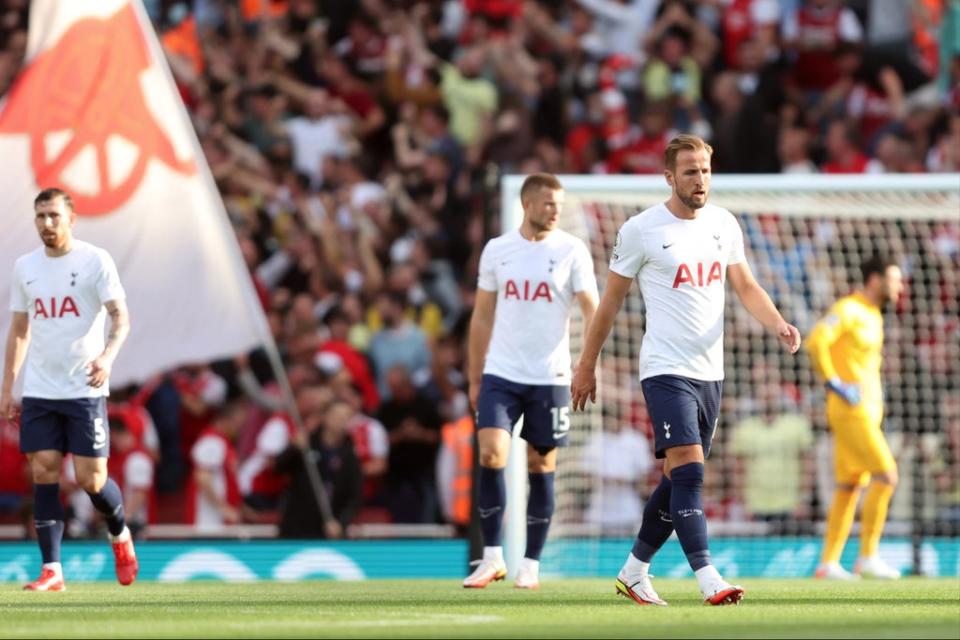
860 448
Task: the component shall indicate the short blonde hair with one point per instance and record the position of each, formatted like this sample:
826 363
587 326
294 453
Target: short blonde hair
683 142
536 180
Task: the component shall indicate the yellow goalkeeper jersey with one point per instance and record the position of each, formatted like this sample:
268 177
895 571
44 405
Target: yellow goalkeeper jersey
848 344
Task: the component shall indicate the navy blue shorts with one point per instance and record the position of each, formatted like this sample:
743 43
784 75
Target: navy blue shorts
545 409
78 426
683 411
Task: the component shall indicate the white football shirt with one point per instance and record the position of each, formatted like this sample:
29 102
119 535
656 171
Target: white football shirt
682 266
536 285
64 299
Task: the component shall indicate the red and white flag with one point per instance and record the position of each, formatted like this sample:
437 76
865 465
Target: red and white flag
95 112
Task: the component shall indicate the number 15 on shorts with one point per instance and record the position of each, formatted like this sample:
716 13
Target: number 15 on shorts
561 421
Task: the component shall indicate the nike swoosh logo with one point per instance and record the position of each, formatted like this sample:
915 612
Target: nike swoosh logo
667 246
32 281
486 513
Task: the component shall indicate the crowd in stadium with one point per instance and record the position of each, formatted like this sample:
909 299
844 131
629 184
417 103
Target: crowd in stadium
358 148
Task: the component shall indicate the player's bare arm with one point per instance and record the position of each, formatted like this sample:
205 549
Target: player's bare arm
100 367
760 306
584 384
18 338
588 305
481 328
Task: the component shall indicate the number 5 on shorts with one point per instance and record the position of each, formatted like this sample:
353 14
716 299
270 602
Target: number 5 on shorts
99 434
561 421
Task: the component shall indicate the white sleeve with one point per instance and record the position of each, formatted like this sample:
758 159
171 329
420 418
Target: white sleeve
791 27
209 453
151 440
377 439
138 471
19 300
628 251
274 437
214 392
737 253
487 278
584 278
765 12
108 280
850 29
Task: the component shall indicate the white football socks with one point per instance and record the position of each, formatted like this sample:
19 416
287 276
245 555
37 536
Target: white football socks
530 565
493 554
707 577
635 567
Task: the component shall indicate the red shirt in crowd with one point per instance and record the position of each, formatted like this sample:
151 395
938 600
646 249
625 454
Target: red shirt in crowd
358 368
857 164
14 476
213 453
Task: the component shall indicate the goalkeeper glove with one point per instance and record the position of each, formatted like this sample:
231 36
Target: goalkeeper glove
850 392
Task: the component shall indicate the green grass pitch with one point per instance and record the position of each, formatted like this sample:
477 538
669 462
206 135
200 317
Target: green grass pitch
912 607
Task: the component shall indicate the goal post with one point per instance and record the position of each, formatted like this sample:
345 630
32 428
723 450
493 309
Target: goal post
805 236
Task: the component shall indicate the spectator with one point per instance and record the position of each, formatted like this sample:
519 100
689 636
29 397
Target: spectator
455 471
323 130
745 20
619 458
794 151
338 327
398 343
843 153
620 27
773 448
328 446
644 153
681 47
811 35
371 444
260 484
213 493
414 426
131 465
202 392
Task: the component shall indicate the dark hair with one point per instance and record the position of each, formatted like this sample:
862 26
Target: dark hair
876 264
536 180
52 193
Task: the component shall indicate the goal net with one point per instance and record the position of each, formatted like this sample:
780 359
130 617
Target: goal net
769 478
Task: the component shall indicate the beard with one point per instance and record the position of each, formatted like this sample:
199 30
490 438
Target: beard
689 201
546 225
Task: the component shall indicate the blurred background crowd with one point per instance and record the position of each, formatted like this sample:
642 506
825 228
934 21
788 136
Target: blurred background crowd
358 147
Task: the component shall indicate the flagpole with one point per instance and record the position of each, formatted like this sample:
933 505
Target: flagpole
249 293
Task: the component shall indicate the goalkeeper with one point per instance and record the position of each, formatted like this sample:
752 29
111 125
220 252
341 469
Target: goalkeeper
846 350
